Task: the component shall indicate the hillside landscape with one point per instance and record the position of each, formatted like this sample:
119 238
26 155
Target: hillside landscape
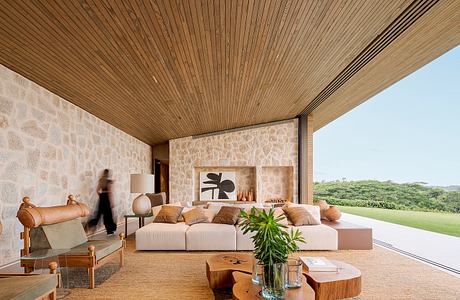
388 195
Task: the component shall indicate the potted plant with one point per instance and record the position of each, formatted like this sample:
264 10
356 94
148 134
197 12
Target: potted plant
272 246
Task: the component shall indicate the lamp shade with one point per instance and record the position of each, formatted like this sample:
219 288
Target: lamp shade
142 183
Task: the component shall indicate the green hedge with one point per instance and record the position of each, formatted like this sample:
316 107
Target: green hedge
362 203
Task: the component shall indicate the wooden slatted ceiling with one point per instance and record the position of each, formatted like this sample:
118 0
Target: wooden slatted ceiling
166 69
434 34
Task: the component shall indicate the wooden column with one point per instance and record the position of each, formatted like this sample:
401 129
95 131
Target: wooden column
306 159
310 159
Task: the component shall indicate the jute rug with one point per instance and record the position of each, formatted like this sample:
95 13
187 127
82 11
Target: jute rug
182 275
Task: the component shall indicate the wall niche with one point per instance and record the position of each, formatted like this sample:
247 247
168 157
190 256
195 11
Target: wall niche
277 182
245 178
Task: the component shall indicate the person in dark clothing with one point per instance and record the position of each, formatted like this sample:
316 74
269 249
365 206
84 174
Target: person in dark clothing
104 190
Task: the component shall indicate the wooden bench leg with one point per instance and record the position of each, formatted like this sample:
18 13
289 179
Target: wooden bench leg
92 254
91 277
122 252
53 295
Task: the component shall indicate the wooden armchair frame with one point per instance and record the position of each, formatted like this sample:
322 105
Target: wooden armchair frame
87 261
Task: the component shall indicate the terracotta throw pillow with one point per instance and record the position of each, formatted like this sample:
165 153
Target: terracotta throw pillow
300 216
168 214
194 216
227 215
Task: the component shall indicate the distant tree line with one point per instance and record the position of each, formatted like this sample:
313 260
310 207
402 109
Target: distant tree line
387 194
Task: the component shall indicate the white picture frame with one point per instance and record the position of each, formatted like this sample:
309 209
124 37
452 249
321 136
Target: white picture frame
218 186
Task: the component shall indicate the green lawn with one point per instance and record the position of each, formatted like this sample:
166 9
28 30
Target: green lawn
447 223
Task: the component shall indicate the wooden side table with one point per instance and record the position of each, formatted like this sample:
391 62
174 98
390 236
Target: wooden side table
141 220
244 289
219 268
345 283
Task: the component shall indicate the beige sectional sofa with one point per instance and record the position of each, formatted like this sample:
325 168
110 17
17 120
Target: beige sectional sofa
210 236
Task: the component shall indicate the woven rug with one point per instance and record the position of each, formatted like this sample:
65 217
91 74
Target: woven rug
182 275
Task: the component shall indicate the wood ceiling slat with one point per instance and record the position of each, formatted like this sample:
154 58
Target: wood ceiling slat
164 69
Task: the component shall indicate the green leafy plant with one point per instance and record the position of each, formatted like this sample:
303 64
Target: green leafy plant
272 242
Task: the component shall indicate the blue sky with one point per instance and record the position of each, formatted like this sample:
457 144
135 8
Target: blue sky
410 132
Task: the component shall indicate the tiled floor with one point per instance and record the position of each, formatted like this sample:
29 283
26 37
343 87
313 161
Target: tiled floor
440 248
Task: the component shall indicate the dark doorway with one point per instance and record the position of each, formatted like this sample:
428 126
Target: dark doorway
162 177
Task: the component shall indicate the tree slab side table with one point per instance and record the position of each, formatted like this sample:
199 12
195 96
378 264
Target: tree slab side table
244 289
219 268
345 283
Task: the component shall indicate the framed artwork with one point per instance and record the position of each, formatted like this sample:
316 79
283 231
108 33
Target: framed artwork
217 186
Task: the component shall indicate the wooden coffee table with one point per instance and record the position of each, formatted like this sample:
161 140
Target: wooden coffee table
244 289
219 268
225 270
345 283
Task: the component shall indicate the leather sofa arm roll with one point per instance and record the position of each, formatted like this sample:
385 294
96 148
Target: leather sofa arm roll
32 216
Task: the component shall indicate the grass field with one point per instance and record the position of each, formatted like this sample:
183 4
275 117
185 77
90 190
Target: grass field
446 223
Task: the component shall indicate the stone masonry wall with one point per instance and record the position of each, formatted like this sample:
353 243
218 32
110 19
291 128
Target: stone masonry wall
272 145
50 148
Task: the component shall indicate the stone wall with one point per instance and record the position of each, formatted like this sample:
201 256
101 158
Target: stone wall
269 146
50 148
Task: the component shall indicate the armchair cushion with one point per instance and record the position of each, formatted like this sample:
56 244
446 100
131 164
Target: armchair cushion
64 235
103 248
27 287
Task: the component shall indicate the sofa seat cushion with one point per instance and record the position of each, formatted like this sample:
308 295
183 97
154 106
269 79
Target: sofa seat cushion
161 236
244 241
27 287
103 248
317 237
210 236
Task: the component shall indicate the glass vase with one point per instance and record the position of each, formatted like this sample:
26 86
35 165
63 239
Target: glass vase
257 269
273 281
293 273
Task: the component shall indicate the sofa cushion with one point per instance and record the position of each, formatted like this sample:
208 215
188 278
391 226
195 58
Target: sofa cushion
210 236
161 236
194 216
300 216
63 235
317 237
244 241
103 248
168 214
227 215
157 199
312 209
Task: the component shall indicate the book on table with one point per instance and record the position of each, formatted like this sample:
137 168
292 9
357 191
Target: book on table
318 264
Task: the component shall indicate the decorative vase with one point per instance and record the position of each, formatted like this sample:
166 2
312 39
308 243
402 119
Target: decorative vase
251 196
257 269
142 205
293 273
273 281
333 213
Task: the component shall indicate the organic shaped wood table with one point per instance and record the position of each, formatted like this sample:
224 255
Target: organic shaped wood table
219 268
244 289
345 283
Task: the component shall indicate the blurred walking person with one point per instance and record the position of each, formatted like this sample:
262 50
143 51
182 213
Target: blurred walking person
104 209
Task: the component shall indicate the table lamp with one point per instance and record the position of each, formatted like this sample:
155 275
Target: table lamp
142 183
